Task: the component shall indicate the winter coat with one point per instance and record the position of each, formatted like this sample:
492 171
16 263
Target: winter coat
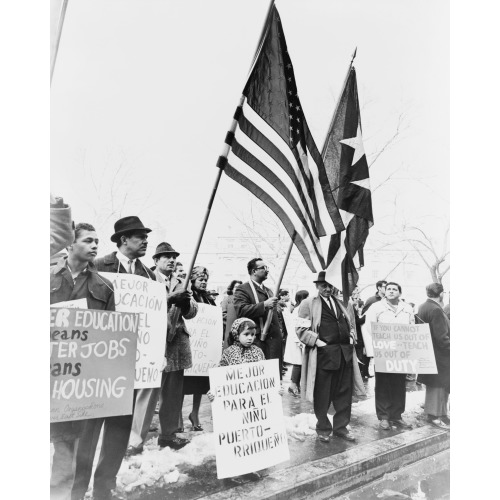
246 307
179 348
62 232
100 296
310 312
439 325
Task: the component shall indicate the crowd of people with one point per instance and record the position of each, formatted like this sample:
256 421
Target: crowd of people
324 339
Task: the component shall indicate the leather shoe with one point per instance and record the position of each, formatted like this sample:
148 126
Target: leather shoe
345 435
440 424
294 392
175 443
133 450
384 424
401 424
324 439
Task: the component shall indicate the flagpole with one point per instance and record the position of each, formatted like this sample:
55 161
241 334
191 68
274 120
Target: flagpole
58 38
269 318
338 101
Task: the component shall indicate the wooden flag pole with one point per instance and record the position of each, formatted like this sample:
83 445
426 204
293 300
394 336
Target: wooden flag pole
278 285
55 44
221 164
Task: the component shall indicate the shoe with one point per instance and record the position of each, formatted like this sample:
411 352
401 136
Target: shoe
324 439
180 430
344 435
401 424
294 392
384 424
446 420
153 428
175 443
134 450
198 427
440 424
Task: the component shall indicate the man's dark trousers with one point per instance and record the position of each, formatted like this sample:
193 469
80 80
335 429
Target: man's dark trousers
390 395
114 445
333 386
172 390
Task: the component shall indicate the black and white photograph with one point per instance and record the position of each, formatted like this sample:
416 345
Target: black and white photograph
250 258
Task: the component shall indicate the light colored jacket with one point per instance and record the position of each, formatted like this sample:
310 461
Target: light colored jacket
307 332
381 312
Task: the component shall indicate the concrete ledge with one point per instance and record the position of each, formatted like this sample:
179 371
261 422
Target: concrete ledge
344 471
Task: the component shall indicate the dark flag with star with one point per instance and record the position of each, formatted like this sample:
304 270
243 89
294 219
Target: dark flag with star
347 169
273 154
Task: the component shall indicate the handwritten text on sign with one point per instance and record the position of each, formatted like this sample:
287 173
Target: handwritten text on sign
149 299
205 332
92 359
247 411
401 348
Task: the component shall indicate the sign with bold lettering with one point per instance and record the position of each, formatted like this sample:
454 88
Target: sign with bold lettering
148 298
249 428
205 331
402 348
92 359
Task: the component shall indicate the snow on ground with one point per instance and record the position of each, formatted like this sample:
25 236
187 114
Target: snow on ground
155 466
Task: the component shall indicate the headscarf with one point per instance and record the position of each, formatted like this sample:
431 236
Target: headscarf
197 272
235 329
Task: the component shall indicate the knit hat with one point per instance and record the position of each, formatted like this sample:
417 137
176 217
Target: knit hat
235 329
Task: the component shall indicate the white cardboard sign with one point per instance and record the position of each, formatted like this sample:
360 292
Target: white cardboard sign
148 298
249 428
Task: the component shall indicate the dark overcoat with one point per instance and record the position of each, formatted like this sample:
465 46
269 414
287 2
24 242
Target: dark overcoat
439 324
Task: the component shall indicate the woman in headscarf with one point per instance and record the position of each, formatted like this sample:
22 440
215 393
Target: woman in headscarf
197 386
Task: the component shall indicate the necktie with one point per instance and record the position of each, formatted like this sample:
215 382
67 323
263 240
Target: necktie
332 307
129 270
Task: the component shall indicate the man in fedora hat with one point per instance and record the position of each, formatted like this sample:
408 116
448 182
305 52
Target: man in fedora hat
178 356
131 238
326 328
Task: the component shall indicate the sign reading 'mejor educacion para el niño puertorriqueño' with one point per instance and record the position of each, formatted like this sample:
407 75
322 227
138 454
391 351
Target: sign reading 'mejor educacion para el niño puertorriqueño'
205 331
403 348
92 360
148 298
249 428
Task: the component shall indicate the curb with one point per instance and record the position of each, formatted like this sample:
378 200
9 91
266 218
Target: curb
324 478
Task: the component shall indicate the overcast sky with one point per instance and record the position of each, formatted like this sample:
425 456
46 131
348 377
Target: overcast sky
144 91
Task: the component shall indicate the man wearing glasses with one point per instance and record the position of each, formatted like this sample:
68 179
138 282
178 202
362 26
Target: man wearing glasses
254 300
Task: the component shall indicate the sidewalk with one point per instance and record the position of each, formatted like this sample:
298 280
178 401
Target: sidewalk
190 473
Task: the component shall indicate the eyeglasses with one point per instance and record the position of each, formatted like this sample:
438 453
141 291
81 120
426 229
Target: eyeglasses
262 267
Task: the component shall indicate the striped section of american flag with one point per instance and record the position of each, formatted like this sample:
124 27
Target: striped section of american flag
273 154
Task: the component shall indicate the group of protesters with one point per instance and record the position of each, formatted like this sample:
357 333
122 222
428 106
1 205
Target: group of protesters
326 347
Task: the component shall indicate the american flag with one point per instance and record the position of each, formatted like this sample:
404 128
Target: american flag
273 154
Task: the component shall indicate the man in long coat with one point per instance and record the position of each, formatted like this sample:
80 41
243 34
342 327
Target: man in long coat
254 300
437 386
131 239
328 331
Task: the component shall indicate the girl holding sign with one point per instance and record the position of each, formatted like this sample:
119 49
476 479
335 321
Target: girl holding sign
242 349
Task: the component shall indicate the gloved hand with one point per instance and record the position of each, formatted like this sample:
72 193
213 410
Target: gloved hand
179 298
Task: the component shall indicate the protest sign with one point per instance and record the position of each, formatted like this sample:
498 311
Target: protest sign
205 331
403 348
92 360
249 427
148 298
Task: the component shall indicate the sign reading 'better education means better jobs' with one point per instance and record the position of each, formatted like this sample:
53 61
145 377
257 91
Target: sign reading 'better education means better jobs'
205 331
149 299
403 348
249 428
92 359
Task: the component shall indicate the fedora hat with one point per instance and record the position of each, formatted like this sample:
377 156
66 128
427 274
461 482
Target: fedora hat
128 225
163 248
321 278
